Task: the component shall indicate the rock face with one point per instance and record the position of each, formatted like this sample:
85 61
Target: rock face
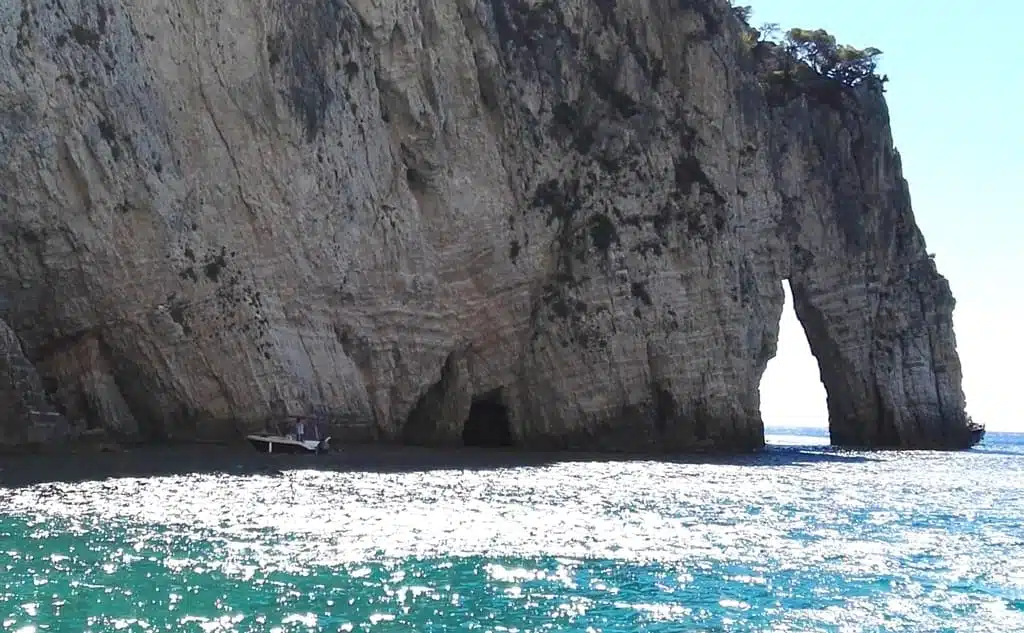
30 417
552 224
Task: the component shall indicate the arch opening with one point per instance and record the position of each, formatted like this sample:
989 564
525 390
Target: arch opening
792 392
488 424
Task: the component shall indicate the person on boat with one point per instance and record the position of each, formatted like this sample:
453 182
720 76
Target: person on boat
300 430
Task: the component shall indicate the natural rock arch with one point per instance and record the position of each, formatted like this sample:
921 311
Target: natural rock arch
580 193
883 377
791 392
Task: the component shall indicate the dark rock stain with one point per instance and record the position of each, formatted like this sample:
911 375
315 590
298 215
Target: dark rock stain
639 291
315 33
109 134
85 36
214 265
603 232
274 49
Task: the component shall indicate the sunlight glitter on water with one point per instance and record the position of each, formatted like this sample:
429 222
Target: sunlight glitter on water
792 540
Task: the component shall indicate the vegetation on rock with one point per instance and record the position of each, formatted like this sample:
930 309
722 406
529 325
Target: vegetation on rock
803 55
743 13
819 51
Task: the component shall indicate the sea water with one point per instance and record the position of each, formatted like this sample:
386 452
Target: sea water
799 538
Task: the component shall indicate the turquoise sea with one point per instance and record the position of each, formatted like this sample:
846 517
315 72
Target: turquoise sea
800 538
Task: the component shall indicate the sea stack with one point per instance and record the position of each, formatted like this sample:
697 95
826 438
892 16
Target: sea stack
558 224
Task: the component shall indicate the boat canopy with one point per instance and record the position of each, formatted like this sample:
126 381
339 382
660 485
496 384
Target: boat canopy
300 427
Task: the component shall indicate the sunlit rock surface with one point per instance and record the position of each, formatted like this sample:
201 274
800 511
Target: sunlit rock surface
576 215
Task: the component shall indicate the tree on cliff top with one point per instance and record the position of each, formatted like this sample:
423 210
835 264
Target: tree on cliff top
742 12
802 58
820 52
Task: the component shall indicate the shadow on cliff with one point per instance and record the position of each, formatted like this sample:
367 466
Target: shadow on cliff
29 470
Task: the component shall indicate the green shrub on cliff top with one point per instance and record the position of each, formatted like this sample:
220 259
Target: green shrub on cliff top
820 52
808 54
742 12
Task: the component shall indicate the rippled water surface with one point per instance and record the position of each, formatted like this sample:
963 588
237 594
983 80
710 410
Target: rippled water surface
797 539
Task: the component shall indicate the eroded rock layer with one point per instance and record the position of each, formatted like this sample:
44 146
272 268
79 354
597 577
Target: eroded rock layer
559 224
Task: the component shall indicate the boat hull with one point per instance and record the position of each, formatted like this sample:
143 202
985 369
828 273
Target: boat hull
277 444
976 436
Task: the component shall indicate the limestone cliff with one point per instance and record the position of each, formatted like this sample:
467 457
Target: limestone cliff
573 214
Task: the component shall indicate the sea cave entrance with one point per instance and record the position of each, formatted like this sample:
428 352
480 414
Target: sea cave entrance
488 424
793 400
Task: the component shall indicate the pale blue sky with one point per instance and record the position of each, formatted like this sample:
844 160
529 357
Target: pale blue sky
956 100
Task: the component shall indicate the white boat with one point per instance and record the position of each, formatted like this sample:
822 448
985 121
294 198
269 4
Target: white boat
287 444
304 437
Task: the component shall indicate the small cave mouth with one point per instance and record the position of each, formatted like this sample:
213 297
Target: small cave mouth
488 424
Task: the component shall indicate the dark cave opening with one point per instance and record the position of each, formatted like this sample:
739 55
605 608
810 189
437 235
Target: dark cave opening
488 424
